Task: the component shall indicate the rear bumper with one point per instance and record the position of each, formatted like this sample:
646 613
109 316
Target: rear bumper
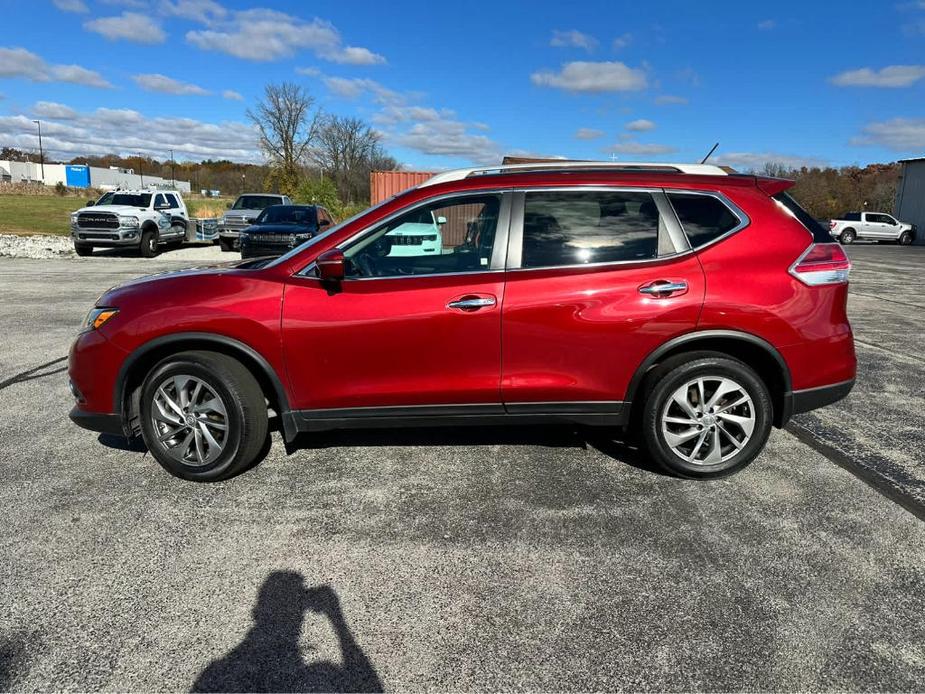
97 421
814 398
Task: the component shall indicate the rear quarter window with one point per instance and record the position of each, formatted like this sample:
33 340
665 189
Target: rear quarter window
703 217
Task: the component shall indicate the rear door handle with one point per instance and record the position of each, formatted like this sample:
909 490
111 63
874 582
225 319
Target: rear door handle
662 289
472 303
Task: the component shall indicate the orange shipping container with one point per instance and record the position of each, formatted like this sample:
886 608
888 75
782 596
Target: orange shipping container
384 184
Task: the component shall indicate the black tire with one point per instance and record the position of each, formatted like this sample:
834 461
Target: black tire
246 430
148 243
83 249
905 238
848 236
672 375
226 245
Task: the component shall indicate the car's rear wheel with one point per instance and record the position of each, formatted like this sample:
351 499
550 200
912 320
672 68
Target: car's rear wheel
706 415
848 236
905 238
148 243
203 416
83 249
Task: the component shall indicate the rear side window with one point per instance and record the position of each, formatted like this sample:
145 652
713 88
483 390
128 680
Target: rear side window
572 228
819 232
852 216
703 217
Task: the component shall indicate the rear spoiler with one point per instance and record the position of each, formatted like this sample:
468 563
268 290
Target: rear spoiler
773 186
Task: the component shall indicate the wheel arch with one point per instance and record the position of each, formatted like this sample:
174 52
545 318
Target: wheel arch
757 352
139 363
148 225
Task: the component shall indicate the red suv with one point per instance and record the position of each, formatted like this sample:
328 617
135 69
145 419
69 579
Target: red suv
681 302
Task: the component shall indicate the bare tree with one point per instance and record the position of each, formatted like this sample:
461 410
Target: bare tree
288 123
347 149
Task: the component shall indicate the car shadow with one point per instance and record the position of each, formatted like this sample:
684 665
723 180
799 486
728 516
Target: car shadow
270 659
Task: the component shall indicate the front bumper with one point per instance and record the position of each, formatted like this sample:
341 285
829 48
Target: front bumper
107 237
96 421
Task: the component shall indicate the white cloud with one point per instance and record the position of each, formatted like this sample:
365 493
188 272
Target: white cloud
154 82
71 5
621 42
897 134
308 71
891 76
588 133
668 99
640 125
767 24
124 131
589 77
352 88
18 62
755 161
51 109
640 148
573 39
128 26
232 95
202 11
264 35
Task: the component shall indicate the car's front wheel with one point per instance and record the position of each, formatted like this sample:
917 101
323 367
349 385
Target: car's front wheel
905 238
706 415
83 249
203 416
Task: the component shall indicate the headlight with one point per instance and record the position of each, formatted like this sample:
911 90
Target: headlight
97 317
74 219
130 222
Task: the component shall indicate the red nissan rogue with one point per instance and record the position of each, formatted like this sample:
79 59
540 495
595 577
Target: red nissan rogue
690 305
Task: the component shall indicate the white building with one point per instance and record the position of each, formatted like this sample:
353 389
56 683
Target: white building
82 176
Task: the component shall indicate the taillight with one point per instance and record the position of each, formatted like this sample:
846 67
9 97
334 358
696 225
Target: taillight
822 263
832 224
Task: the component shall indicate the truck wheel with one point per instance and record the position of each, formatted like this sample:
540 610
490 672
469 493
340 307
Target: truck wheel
149 243
203 416
848 236
83 249
905 238
226 245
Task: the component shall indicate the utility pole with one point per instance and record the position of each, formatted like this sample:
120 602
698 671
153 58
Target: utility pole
41 151
173 173
141 168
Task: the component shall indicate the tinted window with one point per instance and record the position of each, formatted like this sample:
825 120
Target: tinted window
574 228
819 232
160 201
172 201
455 235
287 214
255 202
852 216
703 217
880 219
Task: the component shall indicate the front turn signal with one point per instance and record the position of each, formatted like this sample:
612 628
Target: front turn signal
98 317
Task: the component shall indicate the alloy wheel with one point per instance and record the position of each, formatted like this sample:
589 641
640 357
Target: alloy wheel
708 420
190 420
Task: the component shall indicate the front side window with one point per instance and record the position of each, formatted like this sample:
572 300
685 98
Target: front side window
160 202
444 237
703 217
576 228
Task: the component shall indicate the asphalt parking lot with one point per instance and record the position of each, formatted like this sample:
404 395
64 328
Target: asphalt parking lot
493 559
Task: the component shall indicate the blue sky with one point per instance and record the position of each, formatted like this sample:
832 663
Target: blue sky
449 84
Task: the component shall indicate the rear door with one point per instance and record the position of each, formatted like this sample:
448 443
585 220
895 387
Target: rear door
597 279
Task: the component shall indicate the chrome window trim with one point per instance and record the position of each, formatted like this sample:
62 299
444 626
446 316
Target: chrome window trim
736 211
498 251
675 232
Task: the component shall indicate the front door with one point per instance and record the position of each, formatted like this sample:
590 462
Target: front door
410 326
595 285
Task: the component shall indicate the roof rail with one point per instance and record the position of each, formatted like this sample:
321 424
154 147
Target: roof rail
654 167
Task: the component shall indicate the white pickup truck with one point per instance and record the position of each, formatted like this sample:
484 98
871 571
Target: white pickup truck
142 219
872 226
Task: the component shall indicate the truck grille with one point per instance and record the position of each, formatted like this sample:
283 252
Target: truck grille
236 223
267 244
97 220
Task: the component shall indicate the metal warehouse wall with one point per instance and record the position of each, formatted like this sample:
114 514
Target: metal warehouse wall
910 197
384 184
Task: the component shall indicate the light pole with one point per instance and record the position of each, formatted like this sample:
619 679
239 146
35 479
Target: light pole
41 151
173 173
141 168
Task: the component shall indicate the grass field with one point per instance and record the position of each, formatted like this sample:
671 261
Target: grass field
50 214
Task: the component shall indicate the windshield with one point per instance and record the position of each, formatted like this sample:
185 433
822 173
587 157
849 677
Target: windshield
287 214
255 202
130 199
327 232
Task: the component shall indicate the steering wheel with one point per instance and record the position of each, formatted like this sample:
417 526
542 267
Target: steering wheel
364 264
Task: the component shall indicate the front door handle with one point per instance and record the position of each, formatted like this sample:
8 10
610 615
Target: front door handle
472 303
662 289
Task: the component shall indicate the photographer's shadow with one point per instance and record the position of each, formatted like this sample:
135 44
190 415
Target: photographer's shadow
269 657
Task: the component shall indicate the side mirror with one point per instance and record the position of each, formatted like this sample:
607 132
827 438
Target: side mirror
441 220
331 265
91 203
